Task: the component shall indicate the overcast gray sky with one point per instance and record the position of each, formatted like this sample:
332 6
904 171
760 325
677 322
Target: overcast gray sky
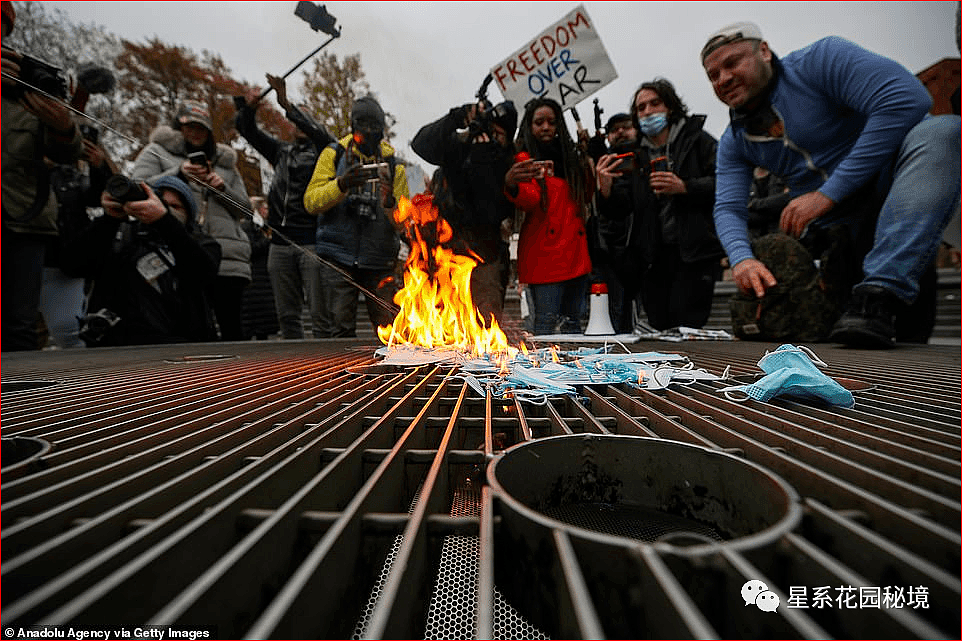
421 58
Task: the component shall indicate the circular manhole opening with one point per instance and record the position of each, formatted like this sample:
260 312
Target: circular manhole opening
644 489
24 386
19 450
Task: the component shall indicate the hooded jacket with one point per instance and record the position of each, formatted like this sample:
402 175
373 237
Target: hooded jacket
343 234
293 165
152 276
219 218
692 155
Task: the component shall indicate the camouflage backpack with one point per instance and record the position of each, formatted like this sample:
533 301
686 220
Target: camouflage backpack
802 307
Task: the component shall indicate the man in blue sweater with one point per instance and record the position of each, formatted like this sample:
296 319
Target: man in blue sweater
830 120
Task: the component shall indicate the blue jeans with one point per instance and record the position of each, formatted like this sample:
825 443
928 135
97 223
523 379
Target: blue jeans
558 307
923 189
294 275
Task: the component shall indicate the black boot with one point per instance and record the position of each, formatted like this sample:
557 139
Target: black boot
869 319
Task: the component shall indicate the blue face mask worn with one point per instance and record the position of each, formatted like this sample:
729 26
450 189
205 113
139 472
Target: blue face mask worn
792 372
653 124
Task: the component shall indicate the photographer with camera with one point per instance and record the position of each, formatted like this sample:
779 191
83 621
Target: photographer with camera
34 126
472 146
355 187
294 273
675 255
149 266
187 150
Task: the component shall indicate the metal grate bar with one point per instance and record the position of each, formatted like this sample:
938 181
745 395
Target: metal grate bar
288 461
881 561
818 569
317 584
268 491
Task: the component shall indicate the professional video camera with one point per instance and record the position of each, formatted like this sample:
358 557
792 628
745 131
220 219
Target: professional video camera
41 75
481 124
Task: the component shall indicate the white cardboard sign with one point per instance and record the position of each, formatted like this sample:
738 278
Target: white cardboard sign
566 62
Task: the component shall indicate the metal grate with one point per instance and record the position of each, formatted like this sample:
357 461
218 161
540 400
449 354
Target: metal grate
287 490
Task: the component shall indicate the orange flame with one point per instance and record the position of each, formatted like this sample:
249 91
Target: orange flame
437 310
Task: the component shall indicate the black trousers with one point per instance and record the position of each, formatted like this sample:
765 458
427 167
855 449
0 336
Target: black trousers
675 293
22 281
226 297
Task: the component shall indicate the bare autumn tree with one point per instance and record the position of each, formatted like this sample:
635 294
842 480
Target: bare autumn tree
156 77
331 88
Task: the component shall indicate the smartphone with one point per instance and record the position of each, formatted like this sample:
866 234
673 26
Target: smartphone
627 164
660 164
197 158
545 167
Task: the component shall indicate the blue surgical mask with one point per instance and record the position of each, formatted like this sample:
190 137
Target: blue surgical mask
791 372
653 124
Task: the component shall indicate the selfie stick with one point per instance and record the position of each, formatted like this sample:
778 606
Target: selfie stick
320 20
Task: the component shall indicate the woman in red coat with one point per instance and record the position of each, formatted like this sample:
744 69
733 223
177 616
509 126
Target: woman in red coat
550 183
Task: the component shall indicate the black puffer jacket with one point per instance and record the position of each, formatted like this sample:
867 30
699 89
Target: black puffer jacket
472 197
692 155
293 165
152 276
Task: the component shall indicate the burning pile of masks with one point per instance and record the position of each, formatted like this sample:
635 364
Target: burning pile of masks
536 375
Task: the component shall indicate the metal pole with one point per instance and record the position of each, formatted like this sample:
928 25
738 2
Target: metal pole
294 68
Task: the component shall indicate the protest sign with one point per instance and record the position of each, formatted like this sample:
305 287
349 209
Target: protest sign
566 62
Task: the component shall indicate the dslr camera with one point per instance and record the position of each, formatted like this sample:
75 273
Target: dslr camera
90 132
123 189
364 204
371 171
42 75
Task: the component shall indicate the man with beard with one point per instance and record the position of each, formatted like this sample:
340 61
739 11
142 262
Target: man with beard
840 125
472 146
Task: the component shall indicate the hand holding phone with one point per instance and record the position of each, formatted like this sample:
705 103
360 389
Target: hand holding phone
626 163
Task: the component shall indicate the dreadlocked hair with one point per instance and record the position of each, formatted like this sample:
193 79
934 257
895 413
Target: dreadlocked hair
576 168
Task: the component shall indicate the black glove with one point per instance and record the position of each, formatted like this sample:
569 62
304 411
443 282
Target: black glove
354 177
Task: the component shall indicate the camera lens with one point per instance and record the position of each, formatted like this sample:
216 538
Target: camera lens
123 189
